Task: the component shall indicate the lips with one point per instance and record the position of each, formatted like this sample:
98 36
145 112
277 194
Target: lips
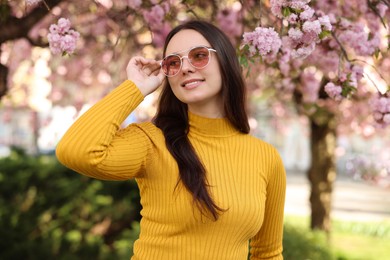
191 82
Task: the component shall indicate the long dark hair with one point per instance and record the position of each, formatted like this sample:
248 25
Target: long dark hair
172 114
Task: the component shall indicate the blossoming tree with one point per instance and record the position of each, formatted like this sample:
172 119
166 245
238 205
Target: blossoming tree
321 61
327 58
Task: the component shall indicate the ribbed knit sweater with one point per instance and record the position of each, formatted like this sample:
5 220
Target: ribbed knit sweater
246 178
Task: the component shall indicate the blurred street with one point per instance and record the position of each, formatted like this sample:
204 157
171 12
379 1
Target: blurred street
352 200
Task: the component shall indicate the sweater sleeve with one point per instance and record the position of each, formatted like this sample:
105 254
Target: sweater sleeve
96 147
267 244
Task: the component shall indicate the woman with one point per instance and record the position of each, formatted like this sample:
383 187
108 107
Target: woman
207 187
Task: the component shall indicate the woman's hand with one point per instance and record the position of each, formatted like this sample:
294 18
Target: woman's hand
145 73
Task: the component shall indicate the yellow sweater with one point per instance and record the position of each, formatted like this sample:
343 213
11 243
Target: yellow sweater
246 177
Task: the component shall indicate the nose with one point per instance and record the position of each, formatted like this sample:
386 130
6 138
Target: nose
186 66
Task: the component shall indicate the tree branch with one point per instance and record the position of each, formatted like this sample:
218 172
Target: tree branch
375 10
14 28
3 80
37 42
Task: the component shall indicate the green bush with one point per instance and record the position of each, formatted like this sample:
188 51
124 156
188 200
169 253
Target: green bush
49 212
303 244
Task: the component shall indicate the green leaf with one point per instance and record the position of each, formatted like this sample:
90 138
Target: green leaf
324 34
243 60
286 11
295 10
347 90
376 53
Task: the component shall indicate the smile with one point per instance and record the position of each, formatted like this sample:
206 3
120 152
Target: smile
191 83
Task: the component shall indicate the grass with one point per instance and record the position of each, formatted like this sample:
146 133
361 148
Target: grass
353 240
360 247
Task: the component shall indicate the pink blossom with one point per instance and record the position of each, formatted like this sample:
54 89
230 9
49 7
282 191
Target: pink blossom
381 109
332 18
61 38
166 5
295 34
311 86
383 105
155 19
288 85
54 29
276 8
325 22
297 4
344 23
292 19
312 26
134 4
377 116
343 77
160 34
386 119
278 5
303 52
55 43
309 38
326 60
333 91
307 14
284 68
68 43
154 16
265 41
63 25
358 71
229 22
382 8
32 2
356 37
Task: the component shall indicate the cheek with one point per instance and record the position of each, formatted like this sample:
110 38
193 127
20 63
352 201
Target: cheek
216 77
173 84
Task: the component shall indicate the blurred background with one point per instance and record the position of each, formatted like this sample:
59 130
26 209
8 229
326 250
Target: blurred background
335 147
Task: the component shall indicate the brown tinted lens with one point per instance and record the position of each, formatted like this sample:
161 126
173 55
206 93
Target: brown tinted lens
199 57
171 65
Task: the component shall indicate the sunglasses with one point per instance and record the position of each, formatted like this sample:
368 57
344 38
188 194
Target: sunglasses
198 57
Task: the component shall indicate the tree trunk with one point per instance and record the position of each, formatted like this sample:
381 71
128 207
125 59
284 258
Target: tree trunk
322 172
35 125
3 79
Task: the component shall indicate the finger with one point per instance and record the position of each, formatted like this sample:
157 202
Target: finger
161 76
155 72
155 68
152 68
140 61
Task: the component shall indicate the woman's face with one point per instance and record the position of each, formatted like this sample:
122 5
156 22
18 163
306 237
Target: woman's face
201 88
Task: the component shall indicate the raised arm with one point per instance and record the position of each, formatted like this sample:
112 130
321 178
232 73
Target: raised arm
95 146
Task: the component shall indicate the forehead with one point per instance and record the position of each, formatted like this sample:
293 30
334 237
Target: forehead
184 40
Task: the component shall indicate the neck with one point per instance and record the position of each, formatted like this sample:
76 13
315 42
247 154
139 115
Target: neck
210 126
207 110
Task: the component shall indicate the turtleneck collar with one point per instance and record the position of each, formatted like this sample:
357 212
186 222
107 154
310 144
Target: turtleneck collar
211 126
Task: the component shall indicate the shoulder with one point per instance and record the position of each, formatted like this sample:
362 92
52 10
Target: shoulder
273 162
146 129
261 145
268 153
